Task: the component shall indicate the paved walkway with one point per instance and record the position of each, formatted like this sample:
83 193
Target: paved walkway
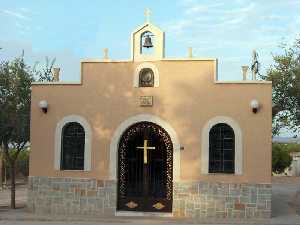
285 210
84 223
21 196
27 219
286 200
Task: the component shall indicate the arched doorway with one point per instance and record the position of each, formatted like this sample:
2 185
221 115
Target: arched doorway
145 169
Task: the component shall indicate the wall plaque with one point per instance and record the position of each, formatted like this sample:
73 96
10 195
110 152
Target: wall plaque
146 100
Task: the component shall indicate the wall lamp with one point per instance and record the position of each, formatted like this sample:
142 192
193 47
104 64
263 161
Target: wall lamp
254 104
43 104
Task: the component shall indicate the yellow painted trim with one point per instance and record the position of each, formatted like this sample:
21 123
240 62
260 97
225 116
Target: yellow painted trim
189 59
130 60
144 25
103 60
56 83
244 82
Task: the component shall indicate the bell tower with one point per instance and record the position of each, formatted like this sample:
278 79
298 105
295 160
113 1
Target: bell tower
147 42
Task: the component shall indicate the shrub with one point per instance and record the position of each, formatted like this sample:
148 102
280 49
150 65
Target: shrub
22 164
281 158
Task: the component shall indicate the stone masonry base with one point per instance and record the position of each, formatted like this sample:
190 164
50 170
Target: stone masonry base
53 195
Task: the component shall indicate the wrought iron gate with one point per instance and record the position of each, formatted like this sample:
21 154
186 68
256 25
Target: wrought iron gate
145 169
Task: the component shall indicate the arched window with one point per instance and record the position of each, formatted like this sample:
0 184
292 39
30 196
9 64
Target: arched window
72 152
146 78
221 149
146 75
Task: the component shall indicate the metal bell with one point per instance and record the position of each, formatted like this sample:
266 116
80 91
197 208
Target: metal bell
147 42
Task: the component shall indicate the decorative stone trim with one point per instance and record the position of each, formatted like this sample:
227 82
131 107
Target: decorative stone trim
222 200
136 78
197 199
238 161
87 143
67 196
139 118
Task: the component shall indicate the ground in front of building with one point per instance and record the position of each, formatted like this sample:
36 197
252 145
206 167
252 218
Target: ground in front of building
285 210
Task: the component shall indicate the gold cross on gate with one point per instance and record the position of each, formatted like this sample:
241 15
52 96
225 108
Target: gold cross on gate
145 147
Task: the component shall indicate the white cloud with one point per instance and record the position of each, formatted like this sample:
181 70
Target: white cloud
21 19
297 20
16 15
201 8
207 16
230 31
26 10
22 26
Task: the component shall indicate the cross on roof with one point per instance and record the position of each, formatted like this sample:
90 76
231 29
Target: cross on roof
147 14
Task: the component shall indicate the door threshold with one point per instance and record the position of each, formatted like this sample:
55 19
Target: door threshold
143 214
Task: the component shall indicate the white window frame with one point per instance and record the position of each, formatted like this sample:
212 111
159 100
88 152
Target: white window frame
238 148
136 79
87 143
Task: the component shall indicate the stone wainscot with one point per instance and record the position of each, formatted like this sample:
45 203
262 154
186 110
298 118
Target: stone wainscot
54 195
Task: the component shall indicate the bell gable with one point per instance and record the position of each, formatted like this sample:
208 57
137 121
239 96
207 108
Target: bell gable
147 43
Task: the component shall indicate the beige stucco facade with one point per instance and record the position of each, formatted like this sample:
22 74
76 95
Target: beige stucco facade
188 99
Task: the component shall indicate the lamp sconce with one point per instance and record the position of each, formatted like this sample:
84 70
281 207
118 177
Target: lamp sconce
254 104
43 104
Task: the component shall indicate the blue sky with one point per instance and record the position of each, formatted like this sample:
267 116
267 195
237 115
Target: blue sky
73 30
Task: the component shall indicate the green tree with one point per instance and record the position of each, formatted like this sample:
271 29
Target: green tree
15 91
281 158
45 73
285 75
15 97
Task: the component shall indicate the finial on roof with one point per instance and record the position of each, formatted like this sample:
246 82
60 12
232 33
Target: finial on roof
245 71
105 53
55 72
190 52
147 14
